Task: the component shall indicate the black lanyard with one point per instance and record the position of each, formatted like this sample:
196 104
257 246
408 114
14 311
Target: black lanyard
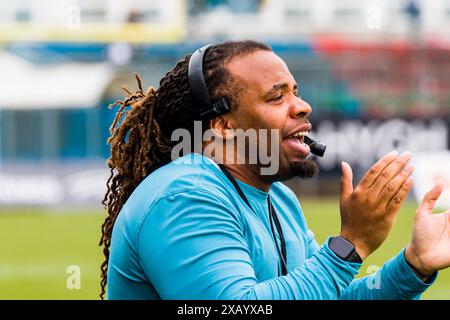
272 217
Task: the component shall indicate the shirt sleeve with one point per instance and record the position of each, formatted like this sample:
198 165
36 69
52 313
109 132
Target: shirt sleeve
394 281
192 246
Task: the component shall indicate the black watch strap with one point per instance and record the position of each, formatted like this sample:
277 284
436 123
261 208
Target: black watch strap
344 249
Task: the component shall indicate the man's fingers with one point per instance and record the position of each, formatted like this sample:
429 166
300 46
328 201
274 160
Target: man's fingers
390 172
396 201
429 200
346 180
393 186
371 175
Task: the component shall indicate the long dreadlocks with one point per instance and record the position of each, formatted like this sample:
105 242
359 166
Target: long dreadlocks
140 134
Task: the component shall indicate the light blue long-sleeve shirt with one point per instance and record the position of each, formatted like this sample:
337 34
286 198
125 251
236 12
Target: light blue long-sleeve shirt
185 233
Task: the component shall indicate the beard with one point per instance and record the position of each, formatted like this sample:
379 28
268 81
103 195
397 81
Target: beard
290 168
303 169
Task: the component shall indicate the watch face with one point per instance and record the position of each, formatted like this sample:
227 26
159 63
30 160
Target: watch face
341 247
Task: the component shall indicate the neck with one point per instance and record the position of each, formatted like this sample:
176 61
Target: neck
247 175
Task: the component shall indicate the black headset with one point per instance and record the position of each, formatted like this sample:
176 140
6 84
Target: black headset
199 90
209 110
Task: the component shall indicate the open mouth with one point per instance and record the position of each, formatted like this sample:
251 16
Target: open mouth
296 143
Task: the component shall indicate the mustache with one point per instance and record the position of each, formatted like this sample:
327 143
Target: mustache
305 121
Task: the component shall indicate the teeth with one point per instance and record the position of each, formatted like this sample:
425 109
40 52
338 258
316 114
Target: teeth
299 134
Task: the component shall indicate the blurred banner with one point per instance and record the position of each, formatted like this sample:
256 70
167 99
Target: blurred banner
45 185
92 21
360 143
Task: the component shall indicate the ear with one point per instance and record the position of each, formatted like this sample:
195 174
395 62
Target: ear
221 127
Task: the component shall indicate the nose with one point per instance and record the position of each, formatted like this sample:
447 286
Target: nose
300 108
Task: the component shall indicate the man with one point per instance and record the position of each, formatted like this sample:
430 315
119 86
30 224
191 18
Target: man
199 227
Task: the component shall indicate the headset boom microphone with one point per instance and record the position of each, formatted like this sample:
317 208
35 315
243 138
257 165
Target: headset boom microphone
317 147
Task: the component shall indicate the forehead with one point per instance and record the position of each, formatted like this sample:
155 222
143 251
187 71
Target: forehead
260 70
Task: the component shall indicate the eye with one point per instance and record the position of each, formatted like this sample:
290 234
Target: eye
277 98
297 94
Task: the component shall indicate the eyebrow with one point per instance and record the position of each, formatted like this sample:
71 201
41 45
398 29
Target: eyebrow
279 86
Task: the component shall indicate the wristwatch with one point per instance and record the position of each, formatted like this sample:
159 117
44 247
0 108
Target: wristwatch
344 249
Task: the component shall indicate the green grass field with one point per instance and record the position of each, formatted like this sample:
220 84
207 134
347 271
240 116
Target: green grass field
37 247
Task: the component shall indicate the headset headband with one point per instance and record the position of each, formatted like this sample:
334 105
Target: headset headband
196 79
199 89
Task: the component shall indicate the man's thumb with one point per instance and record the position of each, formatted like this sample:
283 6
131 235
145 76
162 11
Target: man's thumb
429 200
346 180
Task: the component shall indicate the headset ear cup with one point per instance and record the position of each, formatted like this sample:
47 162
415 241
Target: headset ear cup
216 109
228 104
224 105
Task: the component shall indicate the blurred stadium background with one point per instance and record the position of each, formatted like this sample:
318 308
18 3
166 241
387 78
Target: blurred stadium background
377 74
